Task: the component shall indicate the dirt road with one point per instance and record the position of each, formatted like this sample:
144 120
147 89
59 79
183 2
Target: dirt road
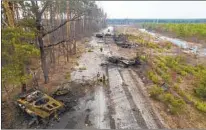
121 103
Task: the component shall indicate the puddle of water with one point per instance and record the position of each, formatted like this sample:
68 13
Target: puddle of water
183 44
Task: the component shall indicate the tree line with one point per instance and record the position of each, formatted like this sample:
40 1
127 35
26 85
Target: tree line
182 30
42 31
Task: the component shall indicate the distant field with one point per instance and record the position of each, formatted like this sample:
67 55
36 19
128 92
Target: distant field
183 30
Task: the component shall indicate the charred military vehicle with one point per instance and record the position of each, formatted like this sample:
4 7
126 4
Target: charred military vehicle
121 40
123 61
99 35
38 104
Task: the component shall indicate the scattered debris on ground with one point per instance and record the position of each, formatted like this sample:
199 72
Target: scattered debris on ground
122 61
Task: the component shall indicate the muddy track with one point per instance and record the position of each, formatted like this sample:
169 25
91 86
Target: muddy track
120 104
135 109
110 107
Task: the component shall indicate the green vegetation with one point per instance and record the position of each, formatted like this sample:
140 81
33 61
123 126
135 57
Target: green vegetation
175 105
172 70
141 40
82 68
90 50
155 92
153 76
68 76
185 30
16 55
201 106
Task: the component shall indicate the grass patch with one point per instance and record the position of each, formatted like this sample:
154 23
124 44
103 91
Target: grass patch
90 50
82 68
176 105
154 77
201 106
68 76
155 92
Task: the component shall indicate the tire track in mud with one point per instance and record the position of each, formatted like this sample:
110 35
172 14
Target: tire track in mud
135 109
110 106
124 116
154 117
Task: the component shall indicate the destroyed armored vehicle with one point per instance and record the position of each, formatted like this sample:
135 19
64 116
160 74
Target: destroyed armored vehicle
123 61
108 34
121 40
99 35
36 103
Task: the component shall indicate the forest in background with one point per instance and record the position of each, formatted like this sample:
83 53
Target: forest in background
182 30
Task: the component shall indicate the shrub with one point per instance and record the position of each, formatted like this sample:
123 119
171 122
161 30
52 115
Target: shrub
152 76
168 45
167 78
176 105
201 106
180 71
82 68
201 90
155 91
162 65
143 58
152 45
179 79
90 50
188 69
68 76
160 50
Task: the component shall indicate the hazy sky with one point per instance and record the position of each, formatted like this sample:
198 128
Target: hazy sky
154 9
